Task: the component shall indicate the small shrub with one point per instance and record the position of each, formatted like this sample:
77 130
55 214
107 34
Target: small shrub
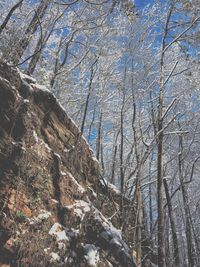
21 217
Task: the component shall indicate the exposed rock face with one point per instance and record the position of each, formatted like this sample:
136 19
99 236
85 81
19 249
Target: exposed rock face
50 186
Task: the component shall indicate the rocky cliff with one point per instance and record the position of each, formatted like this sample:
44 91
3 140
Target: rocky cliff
55 209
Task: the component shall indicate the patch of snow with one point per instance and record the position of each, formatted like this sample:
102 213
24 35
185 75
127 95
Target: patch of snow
109 264
61 246
73 233
92 191
46 146
58 231
61 106
54 201
35 136
54 257
46 250
26 77
80 207
60 236
55 228
79 187
41 141
79 212
26 101
113 236
112 231
24 231
45 215
115 241
41 217
92 254
94 158
57 155
40 87
113 187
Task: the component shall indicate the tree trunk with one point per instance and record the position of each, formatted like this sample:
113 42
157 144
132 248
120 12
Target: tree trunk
12 10
35 22
160 186
161 238
188 230
173 226
98 141
114 160
34 60
88 95
138 224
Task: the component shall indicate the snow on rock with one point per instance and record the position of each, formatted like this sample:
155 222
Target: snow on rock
111 230
54 257
91 254
27 78
46 250
80 207
57 155
113 187
113 236
46 146
35 136
109 264
44 215
61 246
94 158
40 142
79 188
40 87
58 231
54 201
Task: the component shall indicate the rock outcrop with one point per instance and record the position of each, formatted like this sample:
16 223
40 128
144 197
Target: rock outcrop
51 191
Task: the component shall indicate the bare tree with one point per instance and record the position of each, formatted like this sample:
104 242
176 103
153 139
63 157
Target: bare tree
10 13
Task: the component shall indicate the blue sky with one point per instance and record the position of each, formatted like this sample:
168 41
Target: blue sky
142 3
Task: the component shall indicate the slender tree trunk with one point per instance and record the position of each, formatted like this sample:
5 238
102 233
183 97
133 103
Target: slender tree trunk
113 163
190 247
98 142
92 122
122 149
138 225
88 95
115 148
12 10
160 186
35 22
167 241
150 198
160 205
56 65
161 238
34 60
86 104
173 226
102 156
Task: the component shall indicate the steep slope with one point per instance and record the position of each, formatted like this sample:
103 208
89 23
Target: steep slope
52 198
